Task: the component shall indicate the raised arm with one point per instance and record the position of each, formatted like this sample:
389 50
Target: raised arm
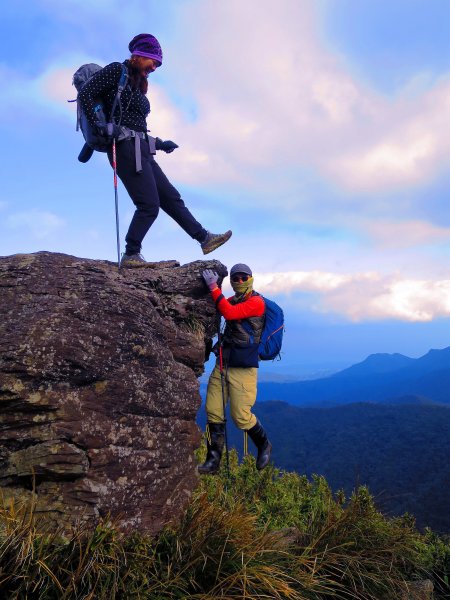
253 307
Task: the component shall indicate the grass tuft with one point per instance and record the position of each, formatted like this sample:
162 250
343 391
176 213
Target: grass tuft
266 534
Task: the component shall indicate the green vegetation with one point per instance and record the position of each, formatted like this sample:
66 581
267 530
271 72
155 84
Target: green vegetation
399 452
255 535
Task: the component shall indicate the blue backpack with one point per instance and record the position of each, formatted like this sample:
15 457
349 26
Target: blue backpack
272 335
94 140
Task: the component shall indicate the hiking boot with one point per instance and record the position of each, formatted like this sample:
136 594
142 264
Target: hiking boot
215 449
133 260
259 438
214 241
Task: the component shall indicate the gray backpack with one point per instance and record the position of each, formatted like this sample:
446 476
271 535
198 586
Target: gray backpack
94 139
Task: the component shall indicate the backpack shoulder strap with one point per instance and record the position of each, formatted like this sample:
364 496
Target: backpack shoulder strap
121 86
123 78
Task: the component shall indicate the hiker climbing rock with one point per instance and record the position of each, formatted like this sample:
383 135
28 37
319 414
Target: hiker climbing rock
136 166
235 373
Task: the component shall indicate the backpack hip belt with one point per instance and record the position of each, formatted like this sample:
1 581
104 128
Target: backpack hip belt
128 134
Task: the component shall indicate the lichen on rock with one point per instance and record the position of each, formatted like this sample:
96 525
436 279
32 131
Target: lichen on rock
99 386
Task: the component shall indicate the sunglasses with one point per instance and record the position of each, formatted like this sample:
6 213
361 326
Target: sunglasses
237 278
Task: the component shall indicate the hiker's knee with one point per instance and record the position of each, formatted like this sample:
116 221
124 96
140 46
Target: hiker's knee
243 417
147 208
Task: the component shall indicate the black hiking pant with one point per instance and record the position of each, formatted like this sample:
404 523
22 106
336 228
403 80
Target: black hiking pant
149 190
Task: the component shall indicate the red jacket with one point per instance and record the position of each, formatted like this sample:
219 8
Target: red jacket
252 307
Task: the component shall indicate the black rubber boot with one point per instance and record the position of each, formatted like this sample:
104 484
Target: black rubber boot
215 449
259 438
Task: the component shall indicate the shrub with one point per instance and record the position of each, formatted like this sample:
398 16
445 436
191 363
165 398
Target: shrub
251 535
356 551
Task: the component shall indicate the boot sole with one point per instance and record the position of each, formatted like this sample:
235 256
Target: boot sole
204 472
149 265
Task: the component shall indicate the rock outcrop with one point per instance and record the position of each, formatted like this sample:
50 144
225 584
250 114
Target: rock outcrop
99 388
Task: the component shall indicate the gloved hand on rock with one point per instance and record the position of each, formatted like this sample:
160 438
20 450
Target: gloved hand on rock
210 277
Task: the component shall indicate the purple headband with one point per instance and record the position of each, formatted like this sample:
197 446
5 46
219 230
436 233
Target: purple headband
146 45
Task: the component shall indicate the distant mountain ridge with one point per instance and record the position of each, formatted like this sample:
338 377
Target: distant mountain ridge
400 452
376 364
379 378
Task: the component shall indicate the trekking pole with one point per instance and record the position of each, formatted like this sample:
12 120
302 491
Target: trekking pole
222 381
116 199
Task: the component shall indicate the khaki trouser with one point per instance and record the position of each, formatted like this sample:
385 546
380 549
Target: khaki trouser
240 389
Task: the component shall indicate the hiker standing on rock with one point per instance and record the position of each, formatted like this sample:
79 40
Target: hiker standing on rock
142 177
244 315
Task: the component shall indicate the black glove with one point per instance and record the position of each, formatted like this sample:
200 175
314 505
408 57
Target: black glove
168 146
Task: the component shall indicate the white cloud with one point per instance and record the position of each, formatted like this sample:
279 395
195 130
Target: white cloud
364 296
306 281
413 300
39 224
392 234
397 154
56 85
278 97
49 92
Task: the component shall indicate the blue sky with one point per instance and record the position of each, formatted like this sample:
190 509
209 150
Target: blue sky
318 132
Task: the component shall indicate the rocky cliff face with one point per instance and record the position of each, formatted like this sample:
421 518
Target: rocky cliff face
98 386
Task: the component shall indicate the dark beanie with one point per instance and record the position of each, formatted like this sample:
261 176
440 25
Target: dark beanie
146 45
241 268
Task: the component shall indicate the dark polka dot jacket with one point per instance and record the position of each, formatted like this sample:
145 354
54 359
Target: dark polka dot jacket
135 105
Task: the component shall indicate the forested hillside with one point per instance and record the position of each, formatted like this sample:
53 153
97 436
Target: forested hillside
401 452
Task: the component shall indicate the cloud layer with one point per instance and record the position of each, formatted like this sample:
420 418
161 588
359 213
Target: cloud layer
364 296
268 91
